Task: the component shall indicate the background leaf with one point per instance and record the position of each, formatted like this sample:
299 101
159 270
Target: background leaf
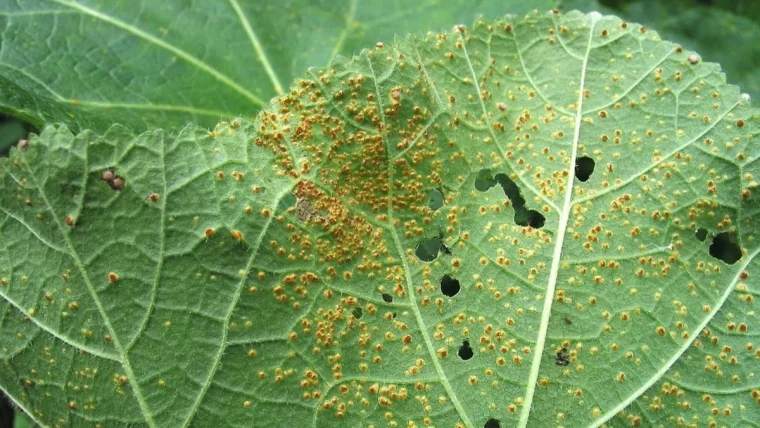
269 273
165 63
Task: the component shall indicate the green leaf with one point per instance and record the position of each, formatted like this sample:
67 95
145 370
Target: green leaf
271 273
91 64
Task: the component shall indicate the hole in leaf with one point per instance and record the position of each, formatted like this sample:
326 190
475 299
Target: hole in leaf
443 248
484 180
523 216
387 298
511 190
435 200
492 423
584 167
427 250
465 352
702 234
449 286
723 249
286 202
536 220
357 312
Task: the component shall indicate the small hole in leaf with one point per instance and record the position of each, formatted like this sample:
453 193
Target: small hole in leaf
435 200
387 298
492 423
449 286
288 200
357 312
530 218
584 167
511 190
536 220
465 352
723 249
484 180
427 250
702 234
443 248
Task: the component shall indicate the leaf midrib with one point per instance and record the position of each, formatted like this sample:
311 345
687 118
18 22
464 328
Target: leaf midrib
564 217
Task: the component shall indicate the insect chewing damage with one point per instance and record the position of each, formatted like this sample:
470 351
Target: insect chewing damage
524 216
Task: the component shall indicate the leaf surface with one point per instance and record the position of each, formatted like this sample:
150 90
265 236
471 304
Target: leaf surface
150 64
725 32
403 239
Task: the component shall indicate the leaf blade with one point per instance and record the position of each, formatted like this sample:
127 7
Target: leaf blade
337 178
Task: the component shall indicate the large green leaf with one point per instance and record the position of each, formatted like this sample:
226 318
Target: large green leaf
91 63
403 241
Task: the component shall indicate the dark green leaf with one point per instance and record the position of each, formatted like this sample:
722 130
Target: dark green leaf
90 64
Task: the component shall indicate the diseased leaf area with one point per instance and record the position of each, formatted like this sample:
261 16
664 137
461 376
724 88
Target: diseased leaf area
378 247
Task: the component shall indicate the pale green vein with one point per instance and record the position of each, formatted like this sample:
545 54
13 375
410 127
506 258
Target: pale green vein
36 80
145 410
67 340
117 105
491 132
408 278
257 47
590 196
21 406
37 13
148 107
343 34
164 197
684 346
164 45
34 232
564 217
530 78
225 329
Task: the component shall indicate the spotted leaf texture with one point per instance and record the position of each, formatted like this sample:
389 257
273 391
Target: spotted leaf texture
153 63
538 221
